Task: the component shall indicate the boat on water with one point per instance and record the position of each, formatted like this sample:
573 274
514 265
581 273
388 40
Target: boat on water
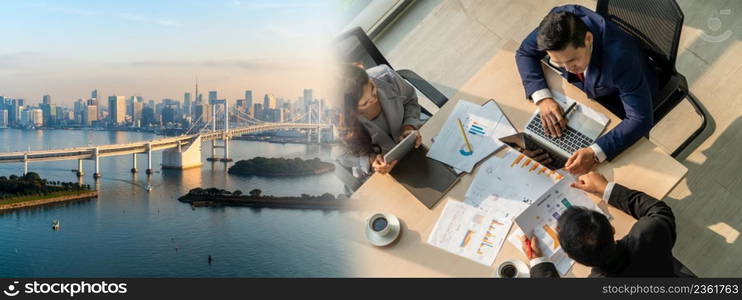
55 224
148 188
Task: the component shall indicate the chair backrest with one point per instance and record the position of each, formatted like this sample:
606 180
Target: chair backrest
656 24
355 46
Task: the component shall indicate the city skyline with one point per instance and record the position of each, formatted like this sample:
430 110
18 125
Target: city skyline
67 49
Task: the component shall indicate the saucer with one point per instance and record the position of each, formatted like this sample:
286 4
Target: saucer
382 240
523 270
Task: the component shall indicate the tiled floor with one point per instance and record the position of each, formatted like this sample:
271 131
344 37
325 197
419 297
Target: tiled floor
447 41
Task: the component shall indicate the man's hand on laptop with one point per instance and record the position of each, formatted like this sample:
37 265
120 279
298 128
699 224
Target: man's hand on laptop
409 129
380 166
581 162
552 117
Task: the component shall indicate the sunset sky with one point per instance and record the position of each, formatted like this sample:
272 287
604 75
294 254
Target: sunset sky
156 49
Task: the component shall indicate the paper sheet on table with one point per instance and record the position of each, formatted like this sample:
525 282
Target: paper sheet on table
584 119
484 125
468 232
560 259
506 186
540 219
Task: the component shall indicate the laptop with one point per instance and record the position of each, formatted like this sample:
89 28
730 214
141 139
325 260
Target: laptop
581 132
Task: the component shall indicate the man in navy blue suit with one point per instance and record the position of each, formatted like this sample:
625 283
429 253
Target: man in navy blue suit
602 60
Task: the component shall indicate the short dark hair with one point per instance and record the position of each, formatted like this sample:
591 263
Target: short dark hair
586 236
559 30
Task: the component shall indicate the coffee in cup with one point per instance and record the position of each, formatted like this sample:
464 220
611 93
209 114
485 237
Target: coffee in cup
507 269
379 224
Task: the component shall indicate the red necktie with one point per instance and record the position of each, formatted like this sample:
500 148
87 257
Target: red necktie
581 76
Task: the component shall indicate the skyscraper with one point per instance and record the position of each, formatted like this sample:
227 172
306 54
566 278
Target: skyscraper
116 110
187 104
49 112
269 101
36 117
47 99
307 99
248 99
94 94
136 116
3 118
212 96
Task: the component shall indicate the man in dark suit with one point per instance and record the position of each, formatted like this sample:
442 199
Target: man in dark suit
602 60
587 236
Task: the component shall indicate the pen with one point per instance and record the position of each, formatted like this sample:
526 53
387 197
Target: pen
463 133
569 109
529 251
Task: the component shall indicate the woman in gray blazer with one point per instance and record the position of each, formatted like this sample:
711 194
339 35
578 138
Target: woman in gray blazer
380 108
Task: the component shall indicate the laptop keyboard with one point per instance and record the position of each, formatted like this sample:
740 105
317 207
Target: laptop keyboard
570 141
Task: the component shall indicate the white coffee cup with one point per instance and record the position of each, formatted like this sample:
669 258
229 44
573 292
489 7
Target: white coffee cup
379 224
508 269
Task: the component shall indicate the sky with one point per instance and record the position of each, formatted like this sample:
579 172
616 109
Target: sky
157 49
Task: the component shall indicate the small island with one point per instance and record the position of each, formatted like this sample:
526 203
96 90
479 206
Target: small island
32 190
272 167
214 197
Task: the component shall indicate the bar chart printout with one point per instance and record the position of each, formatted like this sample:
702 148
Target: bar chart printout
540 220
506 186
467 231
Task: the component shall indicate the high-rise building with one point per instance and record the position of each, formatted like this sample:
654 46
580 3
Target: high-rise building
169 114
130 105
116 110
258 111
269 101
49 112
307 99
90 115
23 117
4 118
94 94
187 104
248 100
36 117
136 116
212 96
201 110
59 116
148 116
78 110
47 99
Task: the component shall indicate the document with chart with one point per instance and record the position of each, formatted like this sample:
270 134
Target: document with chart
467 231
506 186
470 134
540 219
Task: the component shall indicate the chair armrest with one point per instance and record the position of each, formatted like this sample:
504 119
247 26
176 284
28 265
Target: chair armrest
424 87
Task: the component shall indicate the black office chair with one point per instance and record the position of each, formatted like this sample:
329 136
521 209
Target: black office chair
356 47
657 24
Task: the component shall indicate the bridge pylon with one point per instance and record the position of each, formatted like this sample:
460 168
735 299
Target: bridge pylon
225 135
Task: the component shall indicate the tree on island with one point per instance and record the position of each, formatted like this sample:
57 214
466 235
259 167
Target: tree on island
256 193
262 166
237 193
32 184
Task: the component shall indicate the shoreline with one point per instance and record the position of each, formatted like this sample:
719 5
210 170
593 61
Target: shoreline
308 173
45 201
311 202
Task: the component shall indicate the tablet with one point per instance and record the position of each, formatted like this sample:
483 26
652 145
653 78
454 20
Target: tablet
401 149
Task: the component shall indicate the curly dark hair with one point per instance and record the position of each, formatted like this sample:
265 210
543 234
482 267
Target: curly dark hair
354 135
